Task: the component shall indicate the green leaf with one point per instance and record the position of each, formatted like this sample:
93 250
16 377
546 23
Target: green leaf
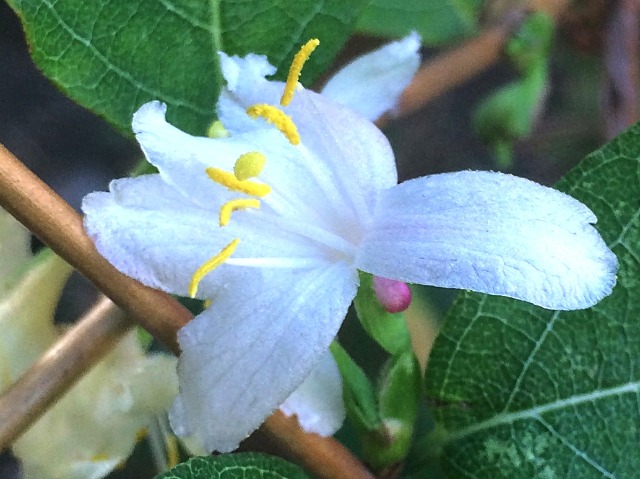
278 28
524 392
357 392
387 329
437 21
112 56
235 466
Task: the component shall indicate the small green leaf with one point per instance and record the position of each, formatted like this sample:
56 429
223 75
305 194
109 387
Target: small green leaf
530 45
521 392
388 329
357 392
437 21
508 114
235 466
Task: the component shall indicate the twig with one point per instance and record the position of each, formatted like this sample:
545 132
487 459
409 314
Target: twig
457 66
58 225
60 367
50 218
329 459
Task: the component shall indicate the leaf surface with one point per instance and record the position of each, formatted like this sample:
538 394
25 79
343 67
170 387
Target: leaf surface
112 56
235 466
521 392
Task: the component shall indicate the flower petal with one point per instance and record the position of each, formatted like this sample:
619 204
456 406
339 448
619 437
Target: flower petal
372 83
245 355
318 400
299 188
153 233
492 233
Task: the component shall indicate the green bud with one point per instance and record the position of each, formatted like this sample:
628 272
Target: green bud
387 329
398 398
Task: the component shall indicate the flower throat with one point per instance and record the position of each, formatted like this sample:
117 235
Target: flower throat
250 165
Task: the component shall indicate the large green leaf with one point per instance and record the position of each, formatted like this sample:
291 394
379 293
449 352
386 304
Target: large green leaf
523 392
113 55
235 466
437 21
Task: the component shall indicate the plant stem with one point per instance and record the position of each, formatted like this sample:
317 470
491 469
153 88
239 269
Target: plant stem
58 225
60 367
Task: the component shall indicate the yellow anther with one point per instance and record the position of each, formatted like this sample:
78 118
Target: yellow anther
235 205
217 130
210 265
249 165
295 70
280 120
230 181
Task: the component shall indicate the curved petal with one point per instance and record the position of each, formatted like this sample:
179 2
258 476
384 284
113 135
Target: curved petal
299 188
245 355
492 233
246 85
344 151
318 400
151 232
371 84
182 159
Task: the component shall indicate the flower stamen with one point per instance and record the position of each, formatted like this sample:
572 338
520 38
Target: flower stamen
210 265
231 182
278 118
296 68
249 165
235 205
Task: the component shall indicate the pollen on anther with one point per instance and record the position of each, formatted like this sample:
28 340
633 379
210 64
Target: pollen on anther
210 265
249 165
296 68
278 118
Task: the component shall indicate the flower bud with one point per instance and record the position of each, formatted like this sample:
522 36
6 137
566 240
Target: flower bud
394 296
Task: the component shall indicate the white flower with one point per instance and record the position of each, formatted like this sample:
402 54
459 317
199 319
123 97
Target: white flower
286 261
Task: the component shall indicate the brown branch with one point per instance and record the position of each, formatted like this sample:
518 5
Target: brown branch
60 367
58 225
50 218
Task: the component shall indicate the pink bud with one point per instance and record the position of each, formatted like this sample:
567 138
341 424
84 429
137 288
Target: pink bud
394 296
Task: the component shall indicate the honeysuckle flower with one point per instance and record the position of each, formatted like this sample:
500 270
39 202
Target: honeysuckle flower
273 222
94 427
